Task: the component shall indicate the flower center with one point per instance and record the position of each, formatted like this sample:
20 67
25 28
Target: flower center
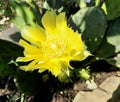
54 48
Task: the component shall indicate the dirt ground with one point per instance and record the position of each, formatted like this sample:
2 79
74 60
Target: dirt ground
62 92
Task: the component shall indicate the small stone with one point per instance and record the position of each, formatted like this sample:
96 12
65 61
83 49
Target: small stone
98 75
61 92
91 85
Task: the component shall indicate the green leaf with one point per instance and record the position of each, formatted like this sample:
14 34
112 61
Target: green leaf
53 4
1 12
25 14
10 49
91 22
6 69
29 15
112 8
28 82
18 22
111 43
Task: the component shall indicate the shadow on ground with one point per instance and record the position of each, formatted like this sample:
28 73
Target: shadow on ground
115 96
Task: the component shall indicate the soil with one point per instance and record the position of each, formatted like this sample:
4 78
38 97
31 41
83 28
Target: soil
59 93
68 95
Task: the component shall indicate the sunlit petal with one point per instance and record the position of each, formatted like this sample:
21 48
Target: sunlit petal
33 34
49 22
30 49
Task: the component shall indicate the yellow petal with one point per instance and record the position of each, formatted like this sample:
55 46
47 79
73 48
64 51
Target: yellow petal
61 22
42 70
30 58
55 68
61 26
76 38
30 66
78 56
24 59
33 34
30 49
49 21
52 65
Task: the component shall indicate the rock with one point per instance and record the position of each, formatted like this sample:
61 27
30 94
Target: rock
82 97
10 34
108 91
91 85
95 96
0 33
118 73
110 84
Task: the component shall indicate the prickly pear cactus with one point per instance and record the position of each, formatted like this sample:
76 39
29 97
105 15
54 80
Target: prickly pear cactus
91 22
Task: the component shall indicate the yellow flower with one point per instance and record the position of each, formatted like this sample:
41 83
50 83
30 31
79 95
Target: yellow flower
53 47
